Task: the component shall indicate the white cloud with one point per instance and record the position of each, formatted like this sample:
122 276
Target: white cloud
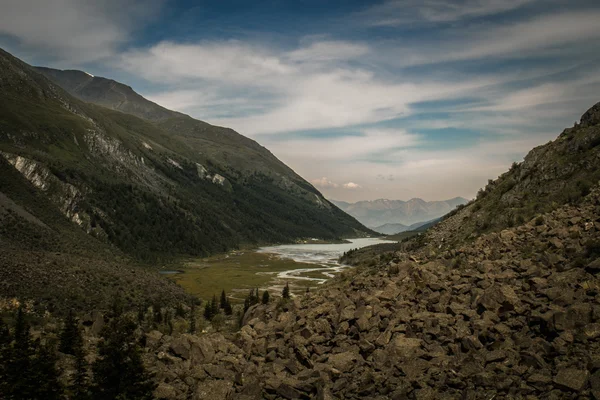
310 94
567 33
396 12
328 50
324 183
73 30
351 186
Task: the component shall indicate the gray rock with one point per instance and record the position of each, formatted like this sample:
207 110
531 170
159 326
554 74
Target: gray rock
571 379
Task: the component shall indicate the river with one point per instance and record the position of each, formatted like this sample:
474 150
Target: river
270 268
324 257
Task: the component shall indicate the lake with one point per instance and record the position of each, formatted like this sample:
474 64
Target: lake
302 265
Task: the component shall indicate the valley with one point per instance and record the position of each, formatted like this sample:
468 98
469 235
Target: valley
145 254
267 268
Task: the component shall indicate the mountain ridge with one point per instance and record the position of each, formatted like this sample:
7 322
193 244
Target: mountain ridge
374 213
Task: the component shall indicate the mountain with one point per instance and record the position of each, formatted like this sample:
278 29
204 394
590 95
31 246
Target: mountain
392 229
150 186
379 212
107 93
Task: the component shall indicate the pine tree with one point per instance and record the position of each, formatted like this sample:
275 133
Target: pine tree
79 387
286 291
223 301
43 374
193 318
208 310
179 311
214 306
265 297
228 308
28 368
158 317
69 335
118 371
5 357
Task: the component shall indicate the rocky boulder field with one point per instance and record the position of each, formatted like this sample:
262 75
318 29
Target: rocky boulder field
515 314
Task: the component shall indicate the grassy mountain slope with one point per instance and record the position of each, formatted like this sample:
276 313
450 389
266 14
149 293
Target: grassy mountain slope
46 258
107 93
155 189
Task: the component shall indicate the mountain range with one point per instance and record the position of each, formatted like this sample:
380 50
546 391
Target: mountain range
379 213
142 182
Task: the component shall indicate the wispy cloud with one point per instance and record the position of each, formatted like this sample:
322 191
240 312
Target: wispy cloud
73 30
311 91
402 12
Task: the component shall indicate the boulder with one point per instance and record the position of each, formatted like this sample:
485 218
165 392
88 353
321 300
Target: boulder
181 347
213 390
571 379
500 299
343 362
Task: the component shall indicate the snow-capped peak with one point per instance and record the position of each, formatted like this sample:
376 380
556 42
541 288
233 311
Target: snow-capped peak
87 73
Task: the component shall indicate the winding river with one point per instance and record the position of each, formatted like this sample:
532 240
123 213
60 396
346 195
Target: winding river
324 257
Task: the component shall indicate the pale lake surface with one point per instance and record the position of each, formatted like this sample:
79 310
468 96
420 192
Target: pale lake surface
267 268
323 256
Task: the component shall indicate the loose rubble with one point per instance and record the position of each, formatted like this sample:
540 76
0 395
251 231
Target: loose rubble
515 314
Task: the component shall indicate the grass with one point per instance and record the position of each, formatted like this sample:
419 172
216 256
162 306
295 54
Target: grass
238 272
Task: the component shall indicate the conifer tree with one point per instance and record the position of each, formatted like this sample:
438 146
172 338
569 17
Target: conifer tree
265 297
214 306
69 335
44 376
118 371
286 291
208 310
193 318
223 301
28 368
179 311
79 387
228 308
158 317
5 356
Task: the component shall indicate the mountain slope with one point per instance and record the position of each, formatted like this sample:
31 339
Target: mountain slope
382 211
107 93
155 189
392 229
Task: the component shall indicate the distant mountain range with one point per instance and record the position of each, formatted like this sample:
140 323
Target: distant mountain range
393 216
392 229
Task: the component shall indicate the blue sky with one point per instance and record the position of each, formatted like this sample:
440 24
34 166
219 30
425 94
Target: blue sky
365 99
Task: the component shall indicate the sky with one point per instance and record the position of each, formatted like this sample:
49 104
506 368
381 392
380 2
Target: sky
365 99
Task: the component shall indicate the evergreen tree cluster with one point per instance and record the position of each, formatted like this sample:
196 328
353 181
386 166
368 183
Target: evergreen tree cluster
251 299
213 307
28 368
